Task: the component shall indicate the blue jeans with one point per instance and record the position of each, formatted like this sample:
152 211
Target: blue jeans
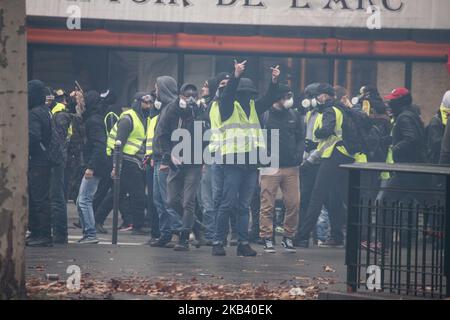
88 188
233 188
209 214
58 203
169 220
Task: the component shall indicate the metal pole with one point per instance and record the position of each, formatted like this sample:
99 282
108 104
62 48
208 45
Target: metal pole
116 188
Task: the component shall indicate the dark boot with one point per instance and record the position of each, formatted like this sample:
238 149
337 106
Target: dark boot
245 250
218 250
183 242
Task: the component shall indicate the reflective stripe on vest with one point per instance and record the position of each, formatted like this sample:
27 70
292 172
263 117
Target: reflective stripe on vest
151 125
58 108
238 134
135 139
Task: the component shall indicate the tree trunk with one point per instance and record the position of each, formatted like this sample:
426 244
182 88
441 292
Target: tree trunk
13 148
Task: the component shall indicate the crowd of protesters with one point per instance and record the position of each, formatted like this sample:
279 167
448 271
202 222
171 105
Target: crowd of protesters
176 198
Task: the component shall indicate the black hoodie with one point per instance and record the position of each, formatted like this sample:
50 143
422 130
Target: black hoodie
39 126
95 144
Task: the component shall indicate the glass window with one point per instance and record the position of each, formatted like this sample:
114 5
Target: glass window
133 71
59 67
198 69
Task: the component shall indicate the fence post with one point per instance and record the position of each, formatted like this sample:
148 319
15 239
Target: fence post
116 187
352 241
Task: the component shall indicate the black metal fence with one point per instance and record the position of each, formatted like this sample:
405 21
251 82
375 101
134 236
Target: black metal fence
397 234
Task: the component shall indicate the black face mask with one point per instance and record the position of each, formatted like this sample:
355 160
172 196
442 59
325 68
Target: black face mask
244 96
219 92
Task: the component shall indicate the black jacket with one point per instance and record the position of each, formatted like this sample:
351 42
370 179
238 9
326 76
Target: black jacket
291 135
435 133
408 137
173 117
94 150
39 126
63 120
328 121
379 138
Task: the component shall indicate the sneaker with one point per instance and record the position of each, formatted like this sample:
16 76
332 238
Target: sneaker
244 250
40 242
268 246
331 243
209 243
288 245
88 241
218 250
100 229
128 227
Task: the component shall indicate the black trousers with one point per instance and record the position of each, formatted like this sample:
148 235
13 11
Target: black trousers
106 207
132 183
39 222
331 183
58 203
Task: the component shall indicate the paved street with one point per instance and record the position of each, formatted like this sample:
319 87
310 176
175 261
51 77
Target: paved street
132 258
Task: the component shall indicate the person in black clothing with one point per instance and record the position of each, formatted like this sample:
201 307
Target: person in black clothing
95 164
408 142
234 184
330 182
290 128
62 120
185 169
39 134
169 221
132 180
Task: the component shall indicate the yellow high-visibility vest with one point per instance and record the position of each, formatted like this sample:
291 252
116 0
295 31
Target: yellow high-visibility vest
58 108
151 126
135 139
238 134
329 143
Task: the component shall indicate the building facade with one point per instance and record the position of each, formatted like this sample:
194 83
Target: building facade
125 44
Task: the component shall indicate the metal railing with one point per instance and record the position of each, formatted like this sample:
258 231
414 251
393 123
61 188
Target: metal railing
397 234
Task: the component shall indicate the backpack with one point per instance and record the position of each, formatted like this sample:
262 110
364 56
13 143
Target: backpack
55 151
356 129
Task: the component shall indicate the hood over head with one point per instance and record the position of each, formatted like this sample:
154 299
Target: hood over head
36 93
167 89
92 100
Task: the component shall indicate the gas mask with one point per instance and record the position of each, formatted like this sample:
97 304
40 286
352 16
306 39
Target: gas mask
287 104
309 103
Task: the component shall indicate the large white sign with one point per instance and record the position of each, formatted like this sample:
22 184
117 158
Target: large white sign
408 14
